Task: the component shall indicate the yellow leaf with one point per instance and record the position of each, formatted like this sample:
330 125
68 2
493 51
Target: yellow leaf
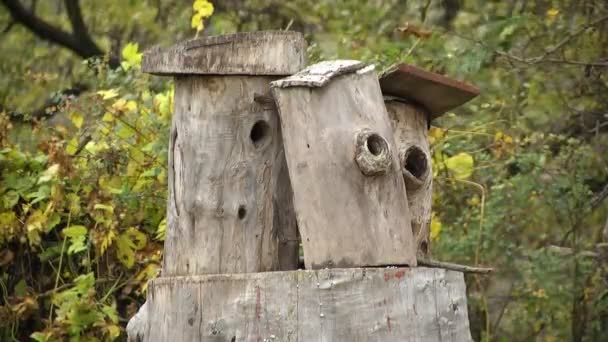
77 119
108 94
161 231
196 21
203 7
72 146
436 134
552 13
107 241
461 165
435 227
108 117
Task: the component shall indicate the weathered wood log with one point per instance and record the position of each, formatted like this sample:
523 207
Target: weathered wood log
344 169
277 53
226 195
357 304
410 131
414 97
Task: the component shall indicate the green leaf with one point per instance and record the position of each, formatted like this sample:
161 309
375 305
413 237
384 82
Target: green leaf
75 231
77 236
20 288
161 230
9 199
131 56
124 250
138 239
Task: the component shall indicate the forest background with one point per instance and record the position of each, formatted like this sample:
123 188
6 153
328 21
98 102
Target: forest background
521 172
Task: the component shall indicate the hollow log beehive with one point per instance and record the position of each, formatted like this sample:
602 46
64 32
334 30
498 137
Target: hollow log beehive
250 163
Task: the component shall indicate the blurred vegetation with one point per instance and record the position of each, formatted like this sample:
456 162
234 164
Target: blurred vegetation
521 172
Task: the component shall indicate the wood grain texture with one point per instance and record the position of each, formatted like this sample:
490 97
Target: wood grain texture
224 164
410 124
369 304
248 53
436 93
345 218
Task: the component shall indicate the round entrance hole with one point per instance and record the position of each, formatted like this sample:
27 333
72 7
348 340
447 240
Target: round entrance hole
375 144
416 163
260 132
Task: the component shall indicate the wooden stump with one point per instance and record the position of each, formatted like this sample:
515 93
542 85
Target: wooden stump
414 97
343 165
410 130
357 304
226 192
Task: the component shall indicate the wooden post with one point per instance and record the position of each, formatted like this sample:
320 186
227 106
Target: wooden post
344 168
226 153
414 97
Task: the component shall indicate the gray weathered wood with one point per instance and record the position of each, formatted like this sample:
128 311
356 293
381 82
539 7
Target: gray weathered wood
346 218
410 130
224 162
249 53
357 304
285 219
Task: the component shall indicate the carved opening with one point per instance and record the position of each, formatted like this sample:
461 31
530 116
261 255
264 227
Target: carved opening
376 144
424 247
416 163
259 133
372 153
242 212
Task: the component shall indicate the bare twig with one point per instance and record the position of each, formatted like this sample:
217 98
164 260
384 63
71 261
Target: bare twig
454 267
566 251
599 197
543 57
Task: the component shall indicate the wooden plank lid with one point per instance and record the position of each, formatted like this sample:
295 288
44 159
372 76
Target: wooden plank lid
248 53
436 93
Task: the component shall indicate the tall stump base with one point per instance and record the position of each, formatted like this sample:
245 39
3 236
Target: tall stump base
355 304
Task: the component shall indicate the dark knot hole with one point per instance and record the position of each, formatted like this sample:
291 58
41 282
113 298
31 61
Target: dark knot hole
416 162
259 133
376 144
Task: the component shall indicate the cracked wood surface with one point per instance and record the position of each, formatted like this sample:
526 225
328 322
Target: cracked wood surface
247 53
345 218
357 304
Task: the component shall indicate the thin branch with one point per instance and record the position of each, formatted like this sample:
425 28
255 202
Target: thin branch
79 29
543 57
78 41
571 36
454 267
8 27
42 29
566 251
599 197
